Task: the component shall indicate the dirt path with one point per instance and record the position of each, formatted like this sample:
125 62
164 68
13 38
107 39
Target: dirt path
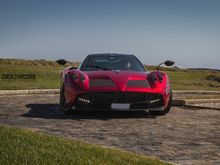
184 136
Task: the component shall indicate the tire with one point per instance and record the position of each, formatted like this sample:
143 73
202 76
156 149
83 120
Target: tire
165 111
66 108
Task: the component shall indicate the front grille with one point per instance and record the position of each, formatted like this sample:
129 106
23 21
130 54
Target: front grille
101 83
138 83
120 97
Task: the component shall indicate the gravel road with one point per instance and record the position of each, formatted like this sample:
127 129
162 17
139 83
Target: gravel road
184 136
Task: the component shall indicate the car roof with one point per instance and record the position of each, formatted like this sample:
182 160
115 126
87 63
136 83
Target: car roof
110 54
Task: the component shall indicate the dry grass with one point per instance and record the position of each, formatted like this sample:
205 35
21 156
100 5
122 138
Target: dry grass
48 73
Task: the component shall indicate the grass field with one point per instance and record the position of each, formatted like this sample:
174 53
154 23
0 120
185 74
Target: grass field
193 80
24 147
48 72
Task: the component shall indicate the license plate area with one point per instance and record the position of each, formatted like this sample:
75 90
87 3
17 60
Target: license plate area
120 106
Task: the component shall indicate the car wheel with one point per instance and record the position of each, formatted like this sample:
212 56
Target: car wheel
165 111
66 108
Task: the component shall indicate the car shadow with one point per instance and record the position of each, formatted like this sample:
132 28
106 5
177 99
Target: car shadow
52 111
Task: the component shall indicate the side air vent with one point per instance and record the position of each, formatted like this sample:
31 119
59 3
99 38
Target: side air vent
138 83
101 83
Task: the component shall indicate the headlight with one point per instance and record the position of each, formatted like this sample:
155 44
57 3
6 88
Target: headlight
153 77
75 76
160 76
82 77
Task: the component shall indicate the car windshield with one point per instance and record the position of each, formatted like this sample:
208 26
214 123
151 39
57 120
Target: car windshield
112 62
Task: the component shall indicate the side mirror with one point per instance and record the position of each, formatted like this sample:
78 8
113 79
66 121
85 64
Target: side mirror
169 63
61 62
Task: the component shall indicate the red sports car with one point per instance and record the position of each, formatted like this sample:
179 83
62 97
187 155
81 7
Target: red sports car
114 81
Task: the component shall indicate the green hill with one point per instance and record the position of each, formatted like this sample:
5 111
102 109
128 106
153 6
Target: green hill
45 74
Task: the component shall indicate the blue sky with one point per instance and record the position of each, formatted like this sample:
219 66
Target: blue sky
186 31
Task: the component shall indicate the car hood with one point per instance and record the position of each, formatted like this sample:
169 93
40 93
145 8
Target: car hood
119 78
116 75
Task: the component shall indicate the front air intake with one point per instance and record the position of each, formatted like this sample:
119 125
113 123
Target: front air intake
101 83
138 83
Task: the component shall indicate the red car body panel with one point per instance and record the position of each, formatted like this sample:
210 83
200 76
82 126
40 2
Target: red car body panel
120 78
109 81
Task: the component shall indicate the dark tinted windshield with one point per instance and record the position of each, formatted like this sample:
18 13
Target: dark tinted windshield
112 62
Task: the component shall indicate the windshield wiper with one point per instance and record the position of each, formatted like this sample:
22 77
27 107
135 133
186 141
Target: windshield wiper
98 67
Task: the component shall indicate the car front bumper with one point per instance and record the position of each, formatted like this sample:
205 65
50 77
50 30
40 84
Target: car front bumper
110 100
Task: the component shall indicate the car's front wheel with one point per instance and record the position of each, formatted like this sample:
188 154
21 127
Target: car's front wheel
65 107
